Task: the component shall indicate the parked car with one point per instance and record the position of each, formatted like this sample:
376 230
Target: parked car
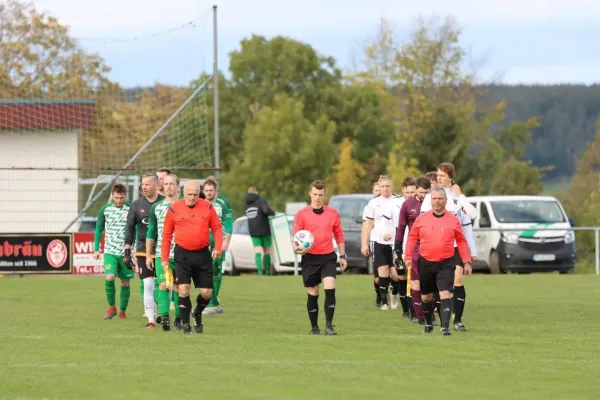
240 254
523 247
350 208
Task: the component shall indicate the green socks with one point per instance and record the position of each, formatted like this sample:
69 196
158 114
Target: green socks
258 262
267 261
155 294
176 303
124 298
109 288
164 303
214 300
142 290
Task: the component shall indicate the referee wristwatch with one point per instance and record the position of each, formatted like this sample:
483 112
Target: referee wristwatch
343 256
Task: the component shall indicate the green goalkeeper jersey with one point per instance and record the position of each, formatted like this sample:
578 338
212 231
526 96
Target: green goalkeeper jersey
112 221
156 223
223 209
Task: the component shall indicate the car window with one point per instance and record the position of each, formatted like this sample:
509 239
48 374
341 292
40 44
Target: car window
351 209
484 220
240 227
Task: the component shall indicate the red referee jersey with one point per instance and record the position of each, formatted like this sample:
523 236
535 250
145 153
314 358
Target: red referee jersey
436 235
324 227
190 226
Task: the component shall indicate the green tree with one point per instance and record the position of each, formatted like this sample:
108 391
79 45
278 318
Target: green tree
39 58
284 151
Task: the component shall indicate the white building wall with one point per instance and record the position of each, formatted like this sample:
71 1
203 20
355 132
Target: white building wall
40 200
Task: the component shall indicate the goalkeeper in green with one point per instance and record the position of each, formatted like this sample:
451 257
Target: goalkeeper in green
112 219
156 222
223 209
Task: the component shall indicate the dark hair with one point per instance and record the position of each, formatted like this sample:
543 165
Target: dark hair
423 183
167 170
448 168
318 184
432 175
210 181
408 181
119 188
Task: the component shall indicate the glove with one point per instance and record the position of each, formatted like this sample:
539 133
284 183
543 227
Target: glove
400 266
169 280
398 249
128 260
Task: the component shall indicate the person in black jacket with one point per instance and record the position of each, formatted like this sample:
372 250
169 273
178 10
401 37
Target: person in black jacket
258 212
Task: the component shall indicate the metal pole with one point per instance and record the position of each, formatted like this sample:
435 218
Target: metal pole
216 94
597 251
140 151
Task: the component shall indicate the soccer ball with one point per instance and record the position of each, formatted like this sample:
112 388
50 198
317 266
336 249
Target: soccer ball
303 240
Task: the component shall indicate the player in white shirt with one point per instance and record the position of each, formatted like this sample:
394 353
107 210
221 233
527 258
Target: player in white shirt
458 205
376 192
379 220
409 189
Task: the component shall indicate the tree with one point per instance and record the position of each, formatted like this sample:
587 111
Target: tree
39 58
284 152
348 172
400 167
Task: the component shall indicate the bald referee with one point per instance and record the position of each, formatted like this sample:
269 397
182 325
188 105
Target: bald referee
190 219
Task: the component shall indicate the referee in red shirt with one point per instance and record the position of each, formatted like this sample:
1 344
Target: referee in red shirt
190 219
319 262
436 231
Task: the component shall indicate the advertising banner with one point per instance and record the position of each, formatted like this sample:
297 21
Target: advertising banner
36 253
84 261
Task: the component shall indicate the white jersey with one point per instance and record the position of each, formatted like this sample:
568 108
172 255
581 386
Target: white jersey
463 210
381 211
364 218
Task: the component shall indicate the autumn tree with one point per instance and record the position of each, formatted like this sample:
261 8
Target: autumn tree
283 152
347 172
39 58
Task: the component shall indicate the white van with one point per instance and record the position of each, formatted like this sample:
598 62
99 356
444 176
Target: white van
508 239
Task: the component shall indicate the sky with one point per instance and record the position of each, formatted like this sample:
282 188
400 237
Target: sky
509 41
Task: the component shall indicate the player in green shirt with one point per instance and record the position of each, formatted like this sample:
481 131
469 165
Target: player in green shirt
156 222
112 219
223 209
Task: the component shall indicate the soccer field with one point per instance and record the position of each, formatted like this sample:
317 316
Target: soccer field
530 337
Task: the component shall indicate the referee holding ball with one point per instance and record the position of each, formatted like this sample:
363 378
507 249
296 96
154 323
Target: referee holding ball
319 261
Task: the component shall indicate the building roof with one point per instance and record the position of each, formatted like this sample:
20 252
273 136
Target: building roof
46 113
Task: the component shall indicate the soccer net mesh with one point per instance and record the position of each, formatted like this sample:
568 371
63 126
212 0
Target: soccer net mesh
71 123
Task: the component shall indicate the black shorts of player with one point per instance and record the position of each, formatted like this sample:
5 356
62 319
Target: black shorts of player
383 254
315 267
143 270
457 260
436 276
193 265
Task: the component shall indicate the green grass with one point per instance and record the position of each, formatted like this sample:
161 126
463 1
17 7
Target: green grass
530 337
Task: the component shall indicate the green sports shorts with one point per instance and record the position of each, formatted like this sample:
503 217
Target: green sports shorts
160 272
262 241
114 265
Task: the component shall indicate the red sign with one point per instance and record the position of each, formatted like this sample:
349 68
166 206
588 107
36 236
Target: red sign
84 261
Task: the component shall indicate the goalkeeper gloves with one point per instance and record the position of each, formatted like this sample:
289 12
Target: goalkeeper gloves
400 266
127 259
169 277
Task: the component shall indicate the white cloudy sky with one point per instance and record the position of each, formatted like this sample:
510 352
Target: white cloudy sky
520 41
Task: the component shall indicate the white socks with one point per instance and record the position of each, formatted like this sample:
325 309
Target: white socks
149 298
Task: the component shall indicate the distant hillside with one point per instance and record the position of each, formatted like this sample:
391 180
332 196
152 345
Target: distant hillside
568 117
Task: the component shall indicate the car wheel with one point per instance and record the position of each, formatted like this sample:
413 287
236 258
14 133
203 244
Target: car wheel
495 263
234 270
569 271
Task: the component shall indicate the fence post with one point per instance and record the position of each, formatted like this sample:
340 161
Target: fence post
597 246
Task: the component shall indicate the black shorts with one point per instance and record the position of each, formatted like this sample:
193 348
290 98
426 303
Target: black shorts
143 270
436 276
315 267
193 265
457 260
383 254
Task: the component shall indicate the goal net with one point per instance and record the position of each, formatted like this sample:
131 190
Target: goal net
77 115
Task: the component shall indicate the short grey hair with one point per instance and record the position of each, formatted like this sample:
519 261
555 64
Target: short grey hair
441 191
